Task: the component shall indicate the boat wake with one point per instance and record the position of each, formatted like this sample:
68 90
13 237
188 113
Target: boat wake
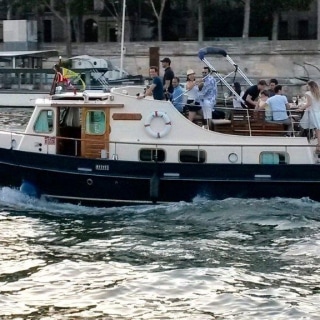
201 207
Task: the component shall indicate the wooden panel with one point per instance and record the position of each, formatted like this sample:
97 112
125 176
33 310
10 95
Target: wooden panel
240 123
91 145
258 125
80 103
223 128
154 56
127 116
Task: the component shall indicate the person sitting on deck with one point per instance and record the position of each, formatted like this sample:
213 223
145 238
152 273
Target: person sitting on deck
264 95
177 95
279 106
237 102
272 83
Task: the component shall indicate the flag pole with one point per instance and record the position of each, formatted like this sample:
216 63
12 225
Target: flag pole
122 36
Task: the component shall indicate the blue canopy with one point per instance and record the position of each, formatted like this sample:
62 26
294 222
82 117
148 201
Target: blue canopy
211 50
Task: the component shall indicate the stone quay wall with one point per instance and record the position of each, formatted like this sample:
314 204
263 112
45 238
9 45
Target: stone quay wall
265 59
258 59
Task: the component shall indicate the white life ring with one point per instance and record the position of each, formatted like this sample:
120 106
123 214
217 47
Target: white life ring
167 121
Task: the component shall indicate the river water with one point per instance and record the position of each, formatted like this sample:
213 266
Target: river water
231 259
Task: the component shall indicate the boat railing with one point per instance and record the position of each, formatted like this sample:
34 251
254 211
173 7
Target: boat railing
118 146
250 122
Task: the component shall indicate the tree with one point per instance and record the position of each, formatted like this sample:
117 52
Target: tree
318 22
160 4
63 13
200 20
114 9
275 7
68 12
223 19
246 22
17 9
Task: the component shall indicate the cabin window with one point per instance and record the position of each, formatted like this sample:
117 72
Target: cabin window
44 122
152 155
95 122
194 156
274 158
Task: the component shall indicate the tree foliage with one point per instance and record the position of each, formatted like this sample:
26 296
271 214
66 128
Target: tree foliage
283 5
269 12
169 18
158 9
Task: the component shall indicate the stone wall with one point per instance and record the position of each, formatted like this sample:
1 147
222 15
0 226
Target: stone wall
285 60
258 59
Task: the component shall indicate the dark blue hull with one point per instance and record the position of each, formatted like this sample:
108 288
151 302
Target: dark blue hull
104 182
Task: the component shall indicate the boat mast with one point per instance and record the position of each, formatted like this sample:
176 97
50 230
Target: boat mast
122 36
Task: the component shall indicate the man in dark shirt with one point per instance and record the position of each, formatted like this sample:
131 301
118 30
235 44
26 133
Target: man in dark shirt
156 88
168 75
252 93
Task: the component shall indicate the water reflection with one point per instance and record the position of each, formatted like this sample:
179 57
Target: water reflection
15 119
231 259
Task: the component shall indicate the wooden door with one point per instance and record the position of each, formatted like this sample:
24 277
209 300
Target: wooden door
95 132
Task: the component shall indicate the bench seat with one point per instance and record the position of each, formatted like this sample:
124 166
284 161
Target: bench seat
256 126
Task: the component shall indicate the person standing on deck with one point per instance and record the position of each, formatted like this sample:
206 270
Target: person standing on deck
167 77
193 105
252 93
312 106
156 88
207 96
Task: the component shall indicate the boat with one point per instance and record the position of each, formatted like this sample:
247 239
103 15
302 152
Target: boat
110 148
23 78
99 72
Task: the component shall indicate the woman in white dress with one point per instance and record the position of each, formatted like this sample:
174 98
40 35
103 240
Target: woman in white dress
312 110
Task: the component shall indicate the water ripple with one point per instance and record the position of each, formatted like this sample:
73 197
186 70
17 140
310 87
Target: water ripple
230 259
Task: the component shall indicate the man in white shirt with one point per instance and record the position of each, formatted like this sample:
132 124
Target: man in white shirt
279 106
207 95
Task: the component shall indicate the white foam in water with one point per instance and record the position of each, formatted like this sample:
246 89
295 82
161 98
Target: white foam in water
18 200
15 198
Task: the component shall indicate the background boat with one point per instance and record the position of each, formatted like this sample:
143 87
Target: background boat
98 72
23 77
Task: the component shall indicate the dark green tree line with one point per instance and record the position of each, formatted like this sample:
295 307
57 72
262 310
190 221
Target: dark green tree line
170 19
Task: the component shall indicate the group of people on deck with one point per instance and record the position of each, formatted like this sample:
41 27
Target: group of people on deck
275 105
202 94
272 101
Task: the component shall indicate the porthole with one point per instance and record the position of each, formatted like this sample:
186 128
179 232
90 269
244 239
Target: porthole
233 157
